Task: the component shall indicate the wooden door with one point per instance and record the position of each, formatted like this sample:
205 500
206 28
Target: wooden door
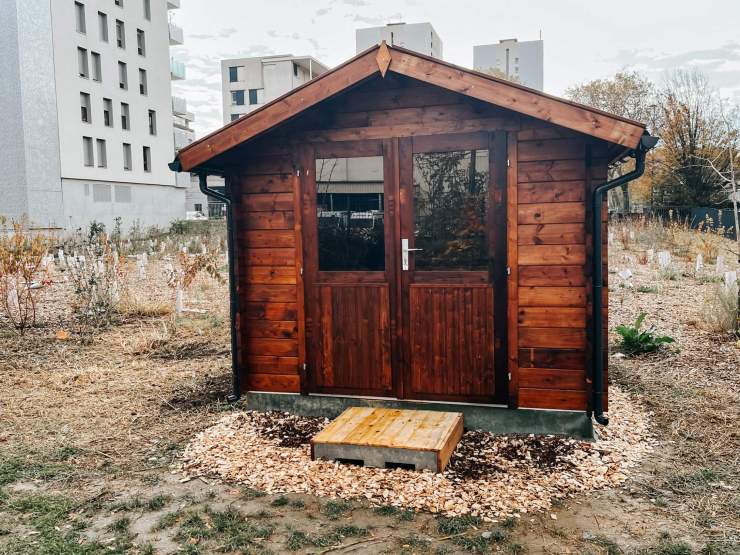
349 267
453 267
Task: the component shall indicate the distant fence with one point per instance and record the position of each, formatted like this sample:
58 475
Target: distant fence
696 215
216 210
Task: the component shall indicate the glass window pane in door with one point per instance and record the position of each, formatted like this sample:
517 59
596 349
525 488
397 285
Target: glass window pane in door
349 200
450 204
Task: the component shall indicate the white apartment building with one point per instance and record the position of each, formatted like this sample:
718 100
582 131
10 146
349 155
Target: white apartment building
87 112
522 61
419 37
248 83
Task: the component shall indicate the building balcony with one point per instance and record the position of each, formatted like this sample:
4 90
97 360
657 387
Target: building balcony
177 70
173 4
180 108
176 35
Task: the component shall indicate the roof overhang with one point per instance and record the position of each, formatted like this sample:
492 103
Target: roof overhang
382 58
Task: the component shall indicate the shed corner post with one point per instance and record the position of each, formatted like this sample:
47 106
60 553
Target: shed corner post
512 236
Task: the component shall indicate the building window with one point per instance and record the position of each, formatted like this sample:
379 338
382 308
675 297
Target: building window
101 192
147 154
233 74
252 97
142 81
120 34
108 112
125 119
152 122
235 117
141 42
80 17
237 98
295 69
198 207
85 107
148 10
102 154
122 75
118 3
97 68
127 156
82 63
87 151
103 24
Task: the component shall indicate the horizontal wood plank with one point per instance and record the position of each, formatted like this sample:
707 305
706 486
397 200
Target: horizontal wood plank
552 378
551 170
553 191
279 383
269 311
551 149
552 234
532 255
271 329
552 338
552 276
267 257
551 316
268 220
271 347
285 275
270 293
552 296
552 213
266 202
268 238
281 183
568 359
552 399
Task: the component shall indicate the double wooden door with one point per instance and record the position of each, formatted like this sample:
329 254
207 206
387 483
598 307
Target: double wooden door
404 267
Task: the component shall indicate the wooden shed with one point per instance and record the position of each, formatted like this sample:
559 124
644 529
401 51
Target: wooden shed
405 229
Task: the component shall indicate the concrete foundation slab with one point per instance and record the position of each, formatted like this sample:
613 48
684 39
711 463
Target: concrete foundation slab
490 418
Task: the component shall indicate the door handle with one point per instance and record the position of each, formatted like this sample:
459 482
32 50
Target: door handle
405 250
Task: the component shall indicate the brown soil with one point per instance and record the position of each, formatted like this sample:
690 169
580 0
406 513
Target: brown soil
101 423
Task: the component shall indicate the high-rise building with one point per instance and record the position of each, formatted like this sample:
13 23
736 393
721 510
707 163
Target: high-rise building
248 83
87 112
420 37
522 62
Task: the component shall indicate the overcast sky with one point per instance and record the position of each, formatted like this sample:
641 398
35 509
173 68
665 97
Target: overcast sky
584 39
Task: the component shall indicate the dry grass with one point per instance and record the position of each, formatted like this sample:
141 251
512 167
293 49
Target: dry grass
693 388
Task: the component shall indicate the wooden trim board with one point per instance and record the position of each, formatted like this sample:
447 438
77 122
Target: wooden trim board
379 437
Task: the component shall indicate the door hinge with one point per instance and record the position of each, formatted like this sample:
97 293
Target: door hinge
298 172
509 375
508 163
304 366
508 270
301 270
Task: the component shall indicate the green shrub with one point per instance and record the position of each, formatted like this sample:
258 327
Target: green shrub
636 342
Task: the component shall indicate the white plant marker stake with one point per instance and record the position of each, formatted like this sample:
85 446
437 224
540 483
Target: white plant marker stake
720 265
611 237
730 279
650 256
625 274
101 267
145 259
203 249
699 263
664 259
178 301
142 268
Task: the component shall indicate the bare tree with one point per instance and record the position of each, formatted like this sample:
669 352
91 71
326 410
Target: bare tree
627 94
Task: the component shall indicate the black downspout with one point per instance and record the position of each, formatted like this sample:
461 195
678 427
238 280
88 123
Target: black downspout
230 241
203 174
646 143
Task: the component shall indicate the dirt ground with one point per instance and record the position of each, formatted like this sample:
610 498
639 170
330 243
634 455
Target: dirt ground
91 432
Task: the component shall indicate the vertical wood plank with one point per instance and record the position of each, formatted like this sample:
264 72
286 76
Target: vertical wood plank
498 249
297 186
512 260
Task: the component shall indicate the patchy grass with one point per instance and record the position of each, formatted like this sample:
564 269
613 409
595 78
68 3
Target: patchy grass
414 544
336 508
398 512
299 540
281 501
450 526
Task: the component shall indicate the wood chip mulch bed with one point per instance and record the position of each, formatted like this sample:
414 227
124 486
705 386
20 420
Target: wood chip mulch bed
489 476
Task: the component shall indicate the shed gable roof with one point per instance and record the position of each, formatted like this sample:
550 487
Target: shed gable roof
382 58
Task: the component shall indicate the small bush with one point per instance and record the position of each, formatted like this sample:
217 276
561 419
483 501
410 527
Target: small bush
636 342
721 309
21 274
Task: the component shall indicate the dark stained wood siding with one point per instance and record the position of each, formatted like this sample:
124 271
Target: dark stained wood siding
268 329
548 248
554 180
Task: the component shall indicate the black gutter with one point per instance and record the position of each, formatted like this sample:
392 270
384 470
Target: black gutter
646 143
203 174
